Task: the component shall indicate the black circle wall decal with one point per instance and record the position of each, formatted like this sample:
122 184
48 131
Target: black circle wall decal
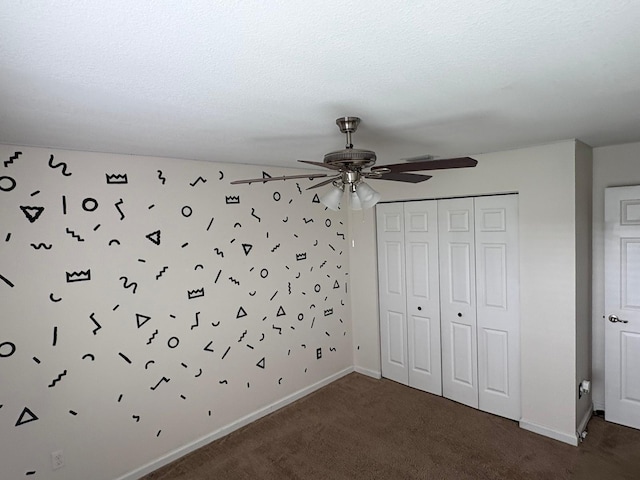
89 204
11 186
12 349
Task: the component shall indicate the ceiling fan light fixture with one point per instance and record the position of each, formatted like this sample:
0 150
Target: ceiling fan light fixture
350 165
354 201
368 196
332 198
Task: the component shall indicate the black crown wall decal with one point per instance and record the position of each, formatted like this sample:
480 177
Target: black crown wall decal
117 178
81 276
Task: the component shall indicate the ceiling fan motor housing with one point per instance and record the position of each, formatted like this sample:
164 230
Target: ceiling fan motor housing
353 158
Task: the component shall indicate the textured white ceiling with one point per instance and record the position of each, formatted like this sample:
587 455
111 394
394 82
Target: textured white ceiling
262 82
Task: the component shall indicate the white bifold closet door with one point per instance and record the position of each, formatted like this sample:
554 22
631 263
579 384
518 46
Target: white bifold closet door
479 298
392 291
409 298
498 305
449 299
458 300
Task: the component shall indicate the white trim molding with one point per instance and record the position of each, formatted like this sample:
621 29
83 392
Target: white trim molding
582 426
227 429
370 373
571 439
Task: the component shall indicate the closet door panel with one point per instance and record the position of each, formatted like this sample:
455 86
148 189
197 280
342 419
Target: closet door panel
498 317
457 300
392 292
423 302
497 262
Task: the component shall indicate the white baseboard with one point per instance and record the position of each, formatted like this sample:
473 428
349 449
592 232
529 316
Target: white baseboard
598 406
571 439
582 426
227 429
367 372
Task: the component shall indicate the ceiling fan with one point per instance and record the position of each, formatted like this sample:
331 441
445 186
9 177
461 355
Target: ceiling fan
349 164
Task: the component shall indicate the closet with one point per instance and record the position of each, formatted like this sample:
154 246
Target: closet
449 299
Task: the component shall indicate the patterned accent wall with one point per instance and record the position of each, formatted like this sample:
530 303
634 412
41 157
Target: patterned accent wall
147 303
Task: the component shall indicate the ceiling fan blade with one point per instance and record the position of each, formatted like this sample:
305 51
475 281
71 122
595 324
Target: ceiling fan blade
324 182
321 164
443 163
401 177
310 176
419 158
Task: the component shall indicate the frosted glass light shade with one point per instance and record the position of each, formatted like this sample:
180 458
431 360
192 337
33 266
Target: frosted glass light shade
332 198
367 195
354 201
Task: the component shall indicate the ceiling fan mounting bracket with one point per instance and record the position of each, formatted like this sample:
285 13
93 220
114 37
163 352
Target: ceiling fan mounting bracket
348 124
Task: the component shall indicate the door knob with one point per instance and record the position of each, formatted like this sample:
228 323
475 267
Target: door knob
419 309
459 314
615 319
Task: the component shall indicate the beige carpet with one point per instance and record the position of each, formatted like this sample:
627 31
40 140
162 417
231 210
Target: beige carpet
362 428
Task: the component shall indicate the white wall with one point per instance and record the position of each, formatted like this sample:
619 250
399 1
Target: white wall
544 177
613 166
78 357
584 193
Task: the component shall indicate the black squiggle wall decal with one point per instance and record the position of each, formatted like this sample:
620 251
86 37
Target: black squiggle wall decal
199 179
161 208
59 164
126 284
12 158
117 205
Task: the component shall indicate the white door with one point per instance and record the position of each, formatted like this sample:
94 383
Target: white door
622 305
423 300
392 293
457 300
498 310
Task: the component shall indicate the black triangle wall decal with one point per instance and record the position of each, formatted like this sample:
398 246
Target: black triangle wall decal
32 213
26 416
154 237
141 319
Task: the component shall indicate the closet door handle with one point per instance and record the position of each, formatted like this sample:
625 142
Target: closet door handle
419 309
460 314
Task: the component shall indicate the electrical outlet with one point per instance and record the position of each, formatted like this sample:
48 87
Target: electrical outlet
57 460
